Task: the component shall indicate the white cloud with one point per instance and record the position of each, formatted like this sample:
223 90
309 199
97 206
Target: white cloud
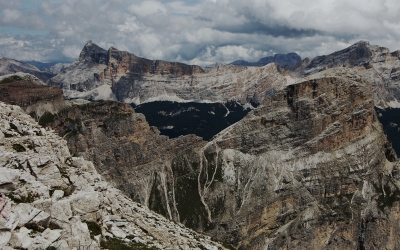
202 31
146 8
10 15
71 51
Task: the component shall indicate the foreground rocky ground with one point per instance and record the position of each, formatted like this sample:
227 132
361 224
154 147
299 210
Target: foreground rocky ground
50 199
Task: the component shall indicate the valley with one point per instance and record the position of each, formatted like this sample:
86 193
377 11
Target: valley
205 120
272 157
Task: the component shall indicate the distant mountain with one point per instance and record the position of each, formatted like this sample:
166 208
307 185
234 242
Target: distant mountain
283 60
376 64
41 65
49 67
11 66
112 74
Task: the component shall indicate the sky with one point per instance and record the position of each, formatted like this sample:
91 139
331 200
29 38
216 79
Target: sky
194 31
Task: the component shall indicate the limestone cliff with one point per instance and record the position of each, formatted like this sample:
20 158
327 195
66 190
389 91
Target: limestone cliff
122 145
51 200
377 64
310 168
101 74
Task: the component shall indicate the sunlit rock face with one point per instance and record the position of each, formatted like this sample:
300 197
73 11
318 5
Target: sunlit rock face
309 168
50 199
376 64
100 74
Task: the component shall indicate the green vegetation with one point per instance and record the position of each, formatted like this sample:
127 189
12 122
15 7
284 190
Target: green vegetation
202 119
10 79
387 195
46 118
34 226
22 199
156 201
19 148
118 244
53 226
13 127
94 228
67 190
191 210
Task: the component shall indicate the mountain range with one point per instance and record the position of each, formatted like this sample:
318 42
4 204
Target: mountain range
307 166
283 60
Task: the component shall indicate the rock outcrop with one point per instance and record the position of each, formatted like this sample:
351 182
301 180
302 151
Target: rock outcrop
99 74
309 168
50 199
120 143
377 64
32 95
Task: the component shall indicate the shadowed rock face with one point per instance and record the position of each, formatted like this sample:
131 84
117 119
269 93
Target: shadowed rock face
121 144
310 168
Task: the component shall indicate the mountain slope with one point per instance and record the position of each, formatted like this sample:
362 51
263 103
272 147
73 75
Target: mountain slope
99 74
283 60
309 168
377 64
11 66
50 199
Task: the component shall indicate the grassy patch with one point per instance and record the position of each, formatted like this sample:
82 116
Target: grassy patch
46 118
10 79
94 228
191 210
22 199
118 244
388 194
18 147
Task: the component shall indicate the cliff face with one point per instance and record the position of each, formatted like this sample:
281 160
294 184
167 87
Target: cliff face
123 147
309 168
118 75
377 64
49 199
306 170
31 94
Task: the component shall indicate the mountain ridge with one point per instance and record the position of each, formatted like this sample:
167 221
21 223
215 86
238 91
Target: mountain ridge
288 60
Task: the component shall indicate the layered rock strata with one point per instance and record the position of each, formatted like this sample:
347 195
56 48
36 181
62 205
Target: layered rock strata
309 168
99 74
32 95
50 199
121 144
376 64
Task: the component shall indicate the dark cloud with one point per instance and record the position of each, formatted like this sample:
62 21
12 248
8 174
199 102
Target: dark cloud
195 31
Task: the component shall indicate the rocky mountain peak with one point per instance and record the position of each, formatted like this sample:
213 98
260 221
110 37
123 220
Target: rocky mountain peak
91 52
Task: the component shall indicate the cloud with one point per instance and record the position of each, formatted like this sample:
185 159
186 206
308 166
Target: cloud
10 15
200 31
147 8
